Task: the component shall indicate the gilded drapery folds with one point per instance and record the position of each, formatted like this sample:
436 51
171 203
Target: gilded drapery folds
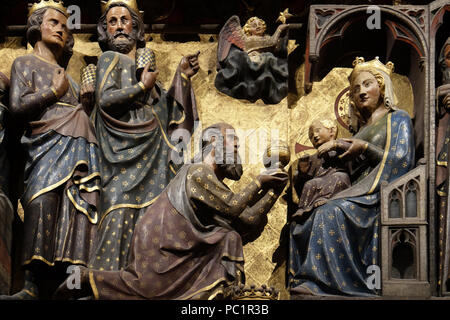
136 149
184 247
291 117
61 163
330 252
6 208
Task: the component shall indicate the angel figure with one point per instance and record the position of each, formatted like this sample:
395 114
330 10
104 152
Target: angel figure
252 65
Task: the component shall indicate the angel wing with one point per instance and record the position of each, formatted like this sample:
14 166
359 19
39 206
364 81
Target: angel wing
231 33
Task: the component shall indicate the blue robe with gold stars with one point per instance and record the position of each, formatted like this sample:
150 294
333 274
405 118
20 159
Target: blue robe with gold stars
331 251
134 129
62 179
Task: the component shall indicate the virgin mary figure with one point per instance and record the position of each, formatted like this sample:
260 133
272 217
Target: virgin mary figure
332 249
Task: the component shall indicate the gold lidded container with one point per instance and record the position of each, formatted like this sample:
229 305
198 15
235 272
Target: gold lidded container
277 155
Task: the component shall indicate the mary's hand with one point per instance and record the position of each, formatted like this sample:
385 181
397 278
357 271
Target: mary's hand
357 147
326 147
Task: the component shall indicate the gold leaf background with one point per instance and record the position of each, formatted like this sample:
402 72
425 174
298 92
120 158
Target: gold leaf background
290 119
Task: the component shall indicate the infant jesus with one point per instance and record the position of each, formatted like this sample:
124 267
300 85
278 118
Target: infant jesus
324 174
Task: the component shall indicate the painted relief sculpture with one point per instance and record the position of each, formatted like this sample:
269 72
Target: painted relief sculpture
188 244
6 208
252 65
322 175
62 179
442 173
134 119
4 113
331 250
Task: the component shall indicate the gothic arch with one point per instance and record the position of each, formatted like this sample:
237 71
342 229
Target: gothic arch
336 34
330 23
332 32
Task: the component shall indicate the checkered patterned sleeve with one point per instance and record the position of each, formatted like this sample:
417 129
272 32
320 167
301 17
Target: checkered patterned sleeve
254 214
205 190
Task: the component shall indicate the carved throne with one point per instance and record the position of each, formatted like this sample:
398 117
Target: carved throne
404 235
337 34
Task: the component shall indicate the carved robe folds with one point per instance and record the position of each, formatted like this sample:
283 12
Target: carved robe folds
133 128
62 179
332 250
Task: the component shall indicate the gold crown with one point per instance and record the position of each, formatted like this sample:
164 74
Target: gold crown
252 293
130 3
58 5
360 63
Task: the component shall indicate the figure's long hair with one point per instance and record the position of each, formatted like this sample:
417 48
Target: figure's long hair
386 92
34 35
138 28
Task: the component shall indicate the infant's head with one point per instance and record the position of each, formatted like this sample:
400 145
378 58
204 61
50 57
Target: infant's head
255 27
321 131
